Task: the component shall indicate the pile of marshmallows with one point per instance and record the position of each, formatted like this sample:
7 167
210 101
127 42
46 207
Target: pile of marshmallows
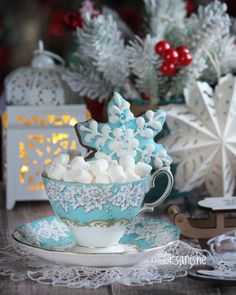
96 171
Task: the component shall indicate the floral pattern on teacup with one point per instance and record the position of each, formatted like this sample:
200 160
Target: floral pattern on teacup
96 197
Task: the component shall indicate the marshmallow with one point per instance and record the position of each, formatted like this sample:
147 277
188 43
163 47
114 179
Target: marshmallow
62 159
127 162
131 175
103 163
113 163
103 178
116 173
68 176
81 175
56 171
158 163
100 155
142 169
79 163
98 167
100 170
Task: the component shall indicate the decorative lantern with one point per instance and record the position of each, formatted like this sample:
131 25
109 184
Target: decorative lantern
38 127
40 83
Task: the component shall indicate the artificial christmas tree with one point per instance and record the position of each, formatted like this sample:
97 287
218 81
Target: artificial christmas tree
109 60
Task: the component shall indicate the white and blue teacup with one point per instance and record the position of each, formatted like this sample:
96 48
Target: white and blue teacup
98 214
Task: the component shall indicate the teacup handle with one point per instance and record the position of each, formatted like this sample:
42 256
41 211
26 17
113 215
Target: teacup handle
147 207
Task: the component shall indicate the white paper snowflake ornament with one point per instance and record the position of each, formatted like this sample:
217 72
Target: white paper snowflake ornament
203 137
124 134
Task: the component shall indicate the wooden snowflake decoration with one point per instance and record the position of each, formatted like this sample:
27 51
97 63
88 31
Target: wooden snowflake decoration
203 137
124 134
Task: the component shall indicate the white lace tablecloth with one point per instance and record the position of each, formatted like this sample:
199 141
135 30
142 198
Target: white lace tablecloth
161 267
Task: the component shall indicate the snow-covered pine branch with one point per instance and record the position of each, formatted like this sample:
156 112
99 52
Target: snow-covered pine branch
160 13
209 25
106 63
121 25
187 75
87 81
210 30
227 54
144 64
101 52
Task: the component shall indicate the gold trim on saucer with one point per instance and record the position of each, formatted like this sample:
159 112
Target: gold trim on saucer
66 251
100 223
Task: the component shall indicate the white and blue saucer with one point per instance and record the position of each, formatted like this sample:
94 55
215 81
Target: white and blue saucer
51 239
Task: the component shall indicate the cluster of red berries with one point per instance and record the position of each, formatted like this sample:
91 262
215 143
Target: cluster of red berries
173 58
73 20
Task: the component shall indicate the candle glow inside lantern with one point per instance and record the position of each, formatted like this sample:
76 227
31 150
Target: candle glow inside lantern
31 140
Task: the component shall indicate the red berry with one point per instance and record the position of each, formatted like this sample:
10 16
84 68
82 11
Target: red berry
168 69
185 59
182 49
190 6
145 96
171 56
161 47
73 20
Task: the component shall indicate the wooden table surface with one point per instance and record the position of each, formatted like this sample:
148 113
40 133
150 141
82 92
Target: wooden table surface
28 211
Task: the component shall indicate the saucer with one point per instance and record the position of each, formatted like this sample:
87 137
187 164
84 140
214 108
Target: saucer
51 239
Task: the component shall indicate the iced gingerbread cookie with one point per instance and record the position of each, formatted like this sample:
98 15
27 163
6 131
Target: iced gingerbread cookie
125 135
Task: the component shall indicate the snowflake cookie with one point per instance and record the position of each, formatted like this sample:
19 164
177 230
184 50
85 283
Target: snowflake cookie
124 134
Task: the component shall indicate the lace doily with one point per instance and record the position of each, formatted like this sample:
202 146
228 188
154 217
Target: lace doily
224 247
163 266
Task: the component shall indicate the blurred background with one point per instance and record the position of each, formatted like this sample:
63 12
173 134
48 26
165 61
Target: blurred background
23 23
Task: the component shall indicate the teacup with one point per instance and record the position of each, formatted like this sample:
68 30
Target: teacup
98 214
